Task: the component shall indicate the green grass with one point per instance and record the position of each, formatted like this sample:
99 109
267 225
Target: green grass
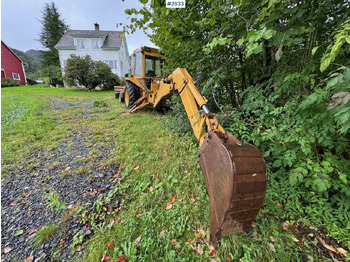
27 123
155 166
54 202
44 235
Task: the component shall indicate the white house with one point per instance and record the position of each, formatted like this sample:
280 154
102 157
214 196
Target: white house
106 46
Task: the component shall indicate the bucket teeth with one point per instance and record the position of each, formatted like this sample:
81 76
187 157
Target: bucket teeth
236 180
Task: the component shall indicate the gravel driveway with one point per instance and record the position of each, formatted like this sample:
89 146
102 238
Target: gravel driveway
70 173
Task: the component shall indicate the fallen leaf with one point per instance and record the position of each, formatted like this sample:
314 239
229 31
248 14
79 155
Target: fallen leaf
272 239
331 254
285 226
342 252
106 258
339 98
125 194
301 244
272 247
67 168
18 232
111 223
29 259
33 230
208 245
138 239
26 195
295 239
138 212
192 200
164 152
162 233
79 248
169 206
279 205
7 249
60 244
173 199
199 249
190 240
109 245
128 124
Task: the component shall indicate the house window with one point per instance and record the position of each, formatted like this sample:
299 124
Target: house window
81 43
16 76
96 44
111 63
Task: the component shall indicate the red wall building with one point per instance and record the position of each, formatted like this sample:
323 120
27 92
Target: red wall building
11 65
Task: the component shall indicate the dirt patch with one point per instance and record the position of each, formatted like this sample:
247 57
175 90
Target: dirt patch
320 241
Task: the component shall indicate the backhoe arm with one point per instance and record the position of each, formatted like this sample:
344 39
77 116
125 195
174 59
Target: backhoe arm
235 172
180 83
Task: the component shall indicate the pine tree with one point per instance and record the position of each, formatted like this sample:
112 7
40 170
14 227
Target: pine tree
53 28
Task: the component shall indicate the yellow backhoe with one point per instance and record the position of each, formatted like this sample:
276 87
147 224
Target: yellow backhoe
235 172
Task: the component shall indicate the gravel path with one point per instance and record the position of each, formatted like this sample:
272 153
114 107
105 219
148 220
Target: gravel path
70 173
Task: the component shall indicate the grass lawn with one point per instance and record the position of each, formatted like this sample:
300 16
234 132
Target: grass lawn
164 211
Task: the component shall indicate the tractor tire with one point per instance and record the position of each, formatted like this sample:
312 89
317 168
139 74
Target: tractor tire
121 97
131 95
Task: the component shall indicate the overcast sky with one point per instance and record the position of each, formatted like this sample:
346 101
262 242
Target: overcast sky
20 26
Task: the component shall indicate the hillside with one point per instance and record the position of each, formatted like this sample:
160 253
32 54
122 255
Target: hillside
31 60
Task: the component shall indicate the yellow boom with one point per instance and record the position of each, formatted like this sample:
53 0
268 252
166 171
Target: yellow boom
235 172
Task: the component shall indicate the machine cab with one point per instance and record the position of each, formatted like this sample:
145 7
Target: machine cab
146 63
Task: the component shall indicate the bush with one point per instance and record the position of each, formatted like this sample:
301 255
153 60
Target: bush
7 82
52 75
84 71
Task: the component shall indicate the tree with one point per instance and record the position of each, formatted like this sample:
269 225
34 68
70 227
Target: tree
53 28
86 72
30 64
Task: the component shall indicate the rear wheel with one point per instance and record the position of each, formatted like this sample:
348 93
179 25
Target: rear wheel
121 97
131 95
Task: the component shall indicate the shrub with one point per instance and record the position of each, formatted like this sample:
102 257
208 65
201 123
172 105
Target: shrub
84 71
7 82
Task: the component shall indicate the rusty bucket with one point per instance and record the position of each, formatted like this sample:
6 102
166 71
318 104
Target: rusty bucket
236 179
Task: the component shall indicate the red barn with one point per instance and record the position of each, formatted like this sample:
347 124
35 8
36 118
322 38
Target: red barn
11 66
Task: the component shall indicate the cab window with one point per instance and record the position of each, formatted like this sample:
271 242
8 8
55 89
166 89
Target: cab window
155 66
138 64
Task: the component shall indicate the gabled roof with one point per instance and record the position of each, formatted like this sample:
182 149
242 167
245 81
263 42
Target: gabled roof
11 51
111 38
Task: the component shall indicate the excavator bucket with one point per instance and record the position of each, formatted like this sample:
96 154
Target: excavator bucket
236 179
